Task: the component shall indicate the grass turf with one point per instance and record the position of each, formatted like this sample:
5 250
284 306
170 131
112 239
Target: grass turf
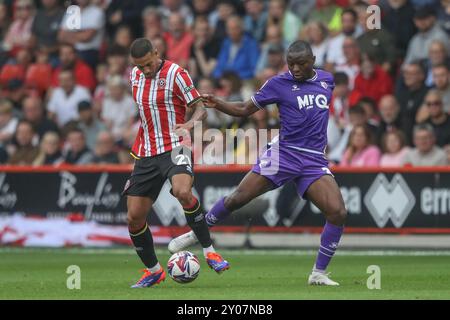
108 274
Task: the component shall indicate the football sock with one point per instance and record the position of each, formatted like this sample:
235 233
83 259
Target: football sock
218 212
329 241
143 243
208 250
155 268
195 218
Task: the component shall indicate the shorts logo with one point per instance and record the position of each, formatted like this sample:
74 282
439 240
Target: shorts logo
127 185
162 83
264 163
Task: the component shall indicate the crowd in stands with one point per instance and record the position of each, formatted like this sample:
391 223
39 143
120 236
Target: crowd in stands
65 97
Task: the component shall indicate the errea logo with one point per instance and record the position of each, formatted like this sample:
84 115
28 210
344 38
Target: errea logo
389 200
295 87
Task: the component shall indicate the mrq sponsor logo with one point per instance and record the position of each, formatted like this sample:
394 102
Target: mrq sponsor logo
103 196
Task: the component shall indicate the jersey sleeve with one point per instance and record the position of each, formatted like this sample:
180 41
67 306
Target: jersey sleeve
186 88
265 95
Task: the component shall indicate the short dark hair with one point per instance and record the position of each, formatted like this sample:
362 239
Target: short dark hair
350 11
300 46
341 78
357 109
140 47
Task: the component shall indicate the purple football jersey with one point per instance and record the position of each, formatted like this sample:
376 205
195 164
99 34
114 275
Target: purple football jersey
303 108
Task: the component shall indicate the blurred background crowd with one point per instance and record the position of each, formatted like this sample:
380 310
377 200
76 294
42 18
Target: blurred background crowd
65 97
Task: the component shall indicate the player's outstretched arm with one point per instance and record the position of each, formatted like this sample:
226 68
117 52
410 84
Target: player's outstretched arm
236 109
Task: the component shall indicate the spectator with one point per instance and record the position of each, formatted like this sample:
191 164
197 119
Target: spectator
327 12
49 150
256 19
84 76
19 32
152 23
104 152
8 122
302 8
169 7
339 144
373 81
317 35
123 37
87 39
425 153
225 9
276 63
350 28
352 64
45 27
438 119
126 13
441 81
437 55
273 38
447 151
117 61
361 152
444 16
288 22
204 50
63 103
89 124
377 43
178 40
410 92
429 30
203 8
239 52
77 152
390 119
34 112
397 18
119 109
371 110
4 22
343 98
25 152
394 149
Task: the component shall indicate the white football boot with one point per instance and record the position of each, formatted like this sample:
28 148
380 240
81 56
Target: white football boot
182 242
321 279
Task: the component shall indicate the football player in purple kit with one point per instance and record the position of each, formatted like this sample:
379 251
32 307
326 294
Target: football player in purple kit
303 96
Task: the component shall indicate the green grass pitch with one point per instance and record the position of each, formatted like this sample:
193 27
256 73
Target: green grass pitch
108 274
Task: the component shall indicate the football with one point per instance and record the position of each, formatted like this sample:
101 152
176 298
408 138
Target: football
183 267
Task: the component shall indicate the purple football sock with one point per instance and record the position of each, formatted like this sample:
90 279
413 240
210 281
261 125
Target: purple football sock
329 241
218 212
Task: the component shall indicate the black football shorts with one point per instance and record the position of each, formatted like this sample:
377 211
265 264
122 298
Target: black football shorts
150 173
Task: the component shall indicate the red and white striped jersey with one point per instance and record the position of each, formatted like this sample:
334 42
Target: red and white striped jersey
162 103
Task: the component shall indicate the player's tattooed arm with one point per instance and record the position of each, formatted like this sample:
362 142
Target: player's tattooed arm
237 109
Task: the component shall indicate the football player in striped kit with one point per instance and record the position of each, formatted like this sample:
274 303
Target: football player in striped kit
162 91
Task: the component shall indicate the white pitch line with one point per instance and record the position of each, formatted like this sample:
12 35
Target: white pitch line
228 252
